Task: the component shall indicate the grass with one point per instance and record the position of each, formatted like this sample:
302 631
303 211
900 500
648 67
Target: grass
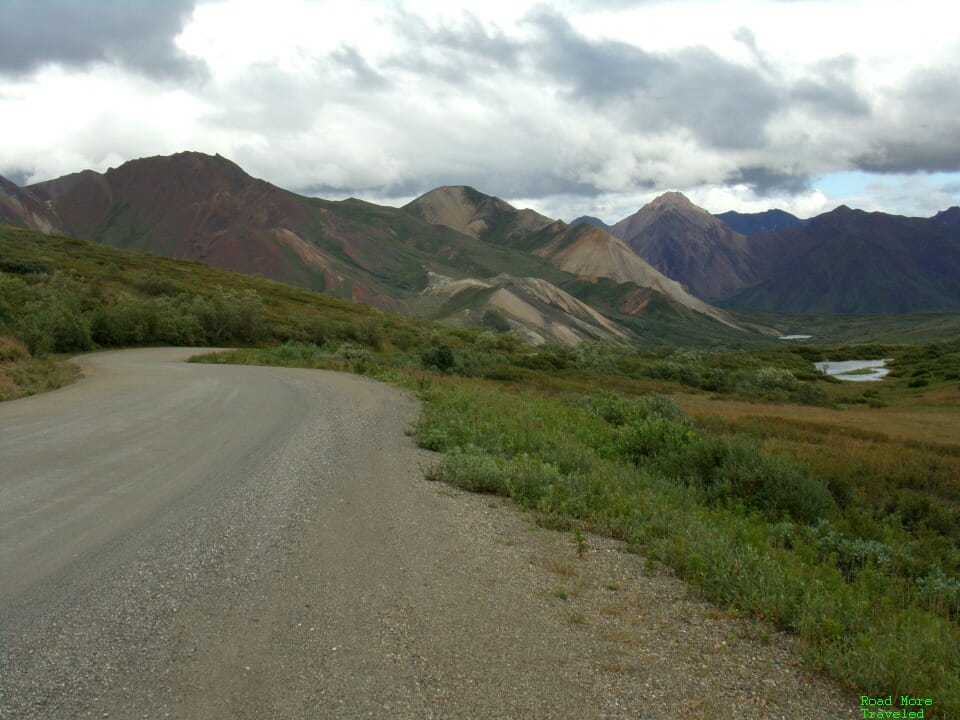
827 509
22 375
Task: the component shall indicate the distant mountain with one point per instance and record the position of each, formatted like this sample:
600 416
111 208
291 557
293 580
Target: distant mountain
478 215
951 216
853 262
206 208
687 243
20 207
585 250
766 221
589 220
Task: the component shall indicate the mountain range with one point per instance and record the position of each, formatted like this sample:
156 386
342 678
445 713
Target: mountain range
458 255
841 262
201 207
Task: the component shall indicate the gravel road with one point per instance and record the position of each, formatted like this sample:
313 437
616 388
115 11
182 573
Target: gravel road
199 541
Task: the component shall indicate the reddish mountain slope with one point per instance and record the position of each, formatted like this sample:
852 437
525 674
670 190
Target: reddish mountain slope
689 244
854 262
20 207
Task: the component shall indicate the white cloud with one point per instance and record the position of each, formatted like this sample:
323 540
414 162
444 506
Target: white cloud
572 108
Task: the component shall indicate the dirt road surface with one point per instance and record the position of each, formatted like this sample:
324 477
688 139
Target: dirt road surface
199 541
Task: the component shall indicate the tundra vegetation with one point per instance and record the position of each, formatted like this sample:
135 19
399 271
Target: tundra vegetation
828 509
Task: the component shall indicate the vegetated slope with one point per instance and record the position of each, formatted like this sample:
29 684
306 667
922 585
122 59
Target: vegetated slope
851 261
690 245
22 208
206 208
586 250
60 294
766 221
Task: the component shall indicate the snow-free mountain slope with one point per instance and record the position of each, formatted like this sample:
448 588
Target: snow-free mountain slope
854 262
690 245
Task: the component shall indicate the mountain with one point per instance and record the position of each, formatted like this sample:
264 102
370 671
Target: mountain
22 208
766 221
950 216
583 251
535 308
206 208
589 220
689 244
854 262
478 215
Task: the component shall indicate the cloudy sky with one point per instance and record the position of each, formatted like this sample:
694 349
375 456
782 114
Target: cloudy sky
571 107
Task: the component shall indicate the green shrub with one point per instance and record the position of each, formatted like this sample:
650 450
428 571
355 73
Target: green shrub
150 283
472 469
53 325
439 357
651 436
25 267
771 378
355 353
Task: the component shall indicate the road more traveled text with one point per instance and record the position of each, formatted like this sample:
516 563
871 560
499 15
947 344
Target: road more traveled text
908 706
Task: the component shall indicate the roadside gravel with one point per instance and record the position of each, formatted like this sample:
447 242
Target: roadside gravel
316 574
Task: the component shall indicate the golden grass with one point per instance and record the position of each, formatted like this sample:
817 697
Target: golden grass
928 418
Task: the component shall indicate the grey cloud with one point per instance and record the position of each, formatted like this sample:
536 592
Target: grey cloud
17 177
830 96
453 54
941 154
268 99
472 38
831 89
137 33
595 71
723 104
924 134
765 181
364 75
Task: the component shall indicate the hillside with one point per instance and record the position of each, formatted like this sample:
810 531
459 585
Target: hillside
585 250
481 216
20 207
854 262
690 245
206 208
